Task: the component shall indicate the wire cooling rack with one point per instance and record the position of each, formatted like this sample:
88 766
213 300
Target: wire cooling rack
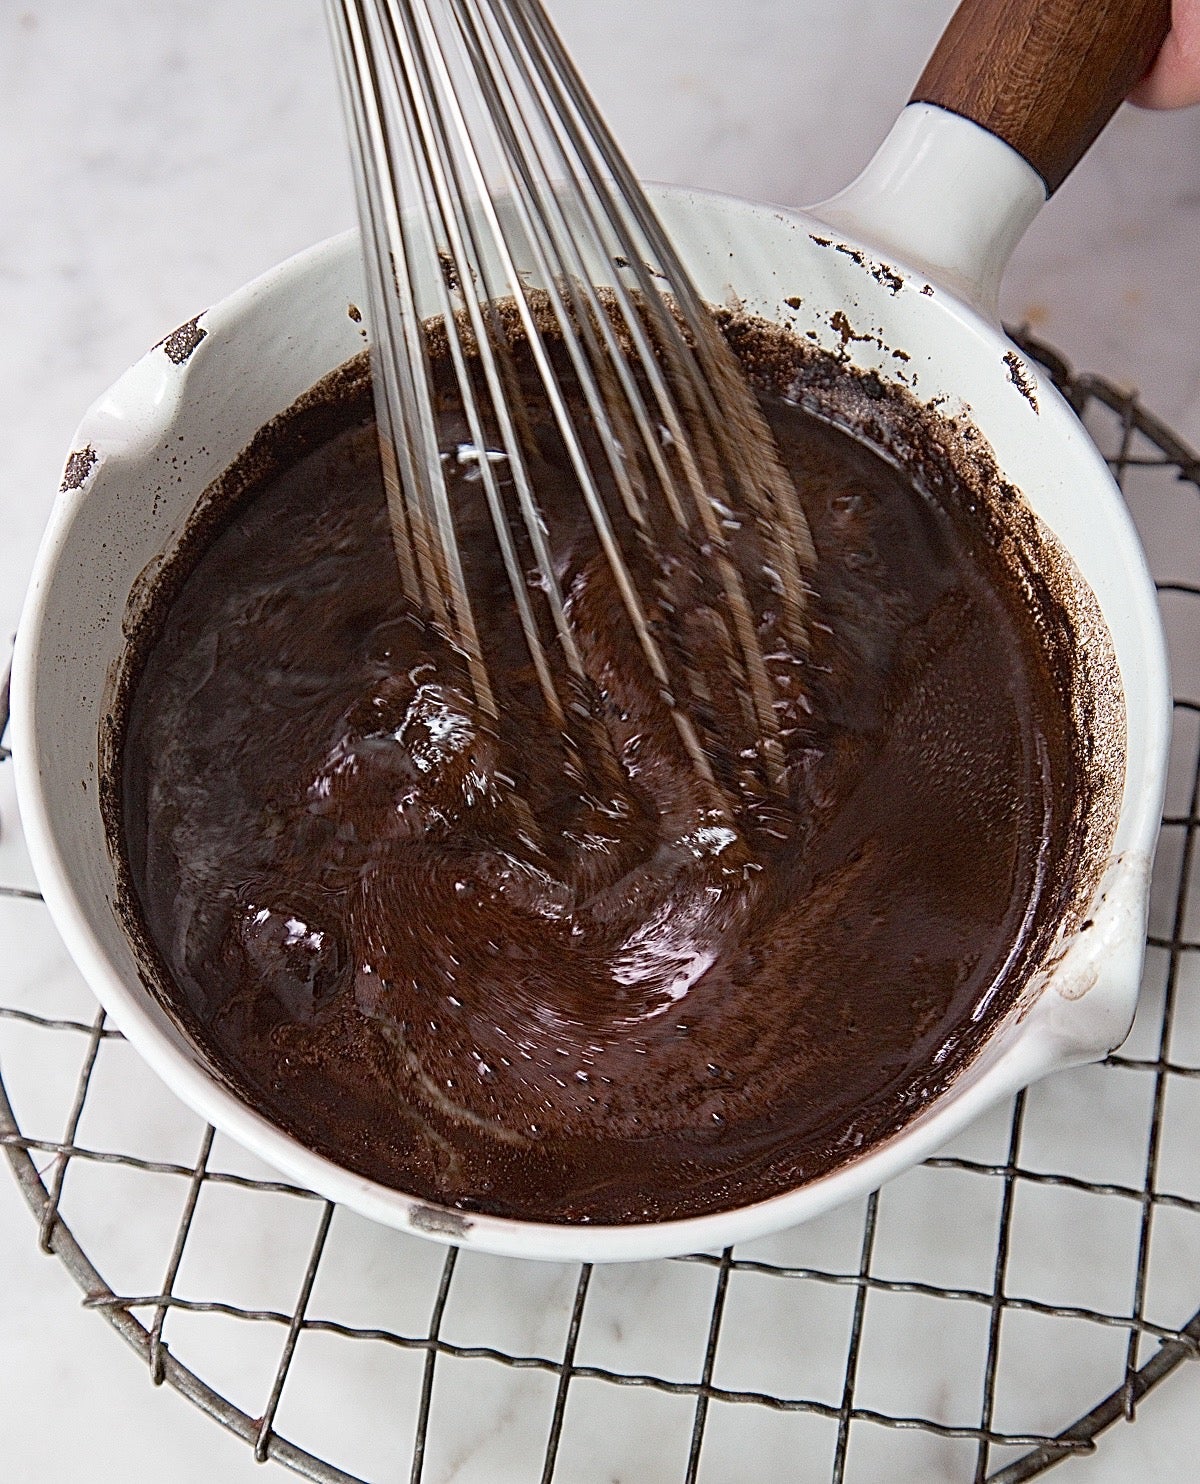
981 1318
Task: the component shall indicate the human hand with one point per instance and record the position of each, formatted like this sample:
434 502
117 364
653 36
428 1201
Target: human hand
1174 80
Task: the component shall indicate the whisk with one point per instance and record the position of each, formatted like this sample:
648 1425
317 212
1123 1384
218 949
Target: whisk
494 205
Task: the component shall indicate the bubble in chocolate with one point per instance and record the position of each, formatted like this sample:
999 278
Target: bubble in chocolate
291 958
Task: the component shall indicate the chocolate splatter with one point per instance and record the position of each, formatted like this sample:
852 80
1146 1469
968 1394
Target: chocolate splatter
1020 378
449 271
880 272
79 466
847 332
180 343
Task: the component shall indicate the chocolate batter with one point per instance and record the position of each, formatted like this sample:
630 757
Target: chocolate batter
566 979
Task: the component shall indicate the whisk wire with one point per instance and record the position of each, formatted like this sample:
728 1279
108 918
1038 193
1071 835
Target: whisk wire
721 385
423 532
414 23
442 172
510 255
557 108
526 157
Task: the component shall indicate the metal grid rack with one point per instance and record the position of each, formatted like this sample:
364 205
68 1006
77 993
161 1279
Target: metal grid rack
784 1348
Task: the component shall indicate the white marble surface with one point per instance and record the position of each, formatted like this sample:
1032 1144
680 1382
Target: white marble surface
151 159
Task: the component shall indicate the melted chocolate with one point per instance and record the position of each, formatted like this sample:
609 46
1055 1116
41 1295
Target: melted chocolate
571 981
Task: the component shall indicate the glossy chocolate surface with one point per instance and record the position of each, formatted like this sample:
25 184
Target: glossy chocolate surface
567 980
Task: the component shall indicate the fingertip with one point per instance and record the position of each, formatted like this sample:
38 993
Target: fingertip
1174 80
1165 89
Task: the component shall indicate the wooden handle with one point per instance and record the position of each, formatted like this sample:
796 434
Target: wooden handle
1043 75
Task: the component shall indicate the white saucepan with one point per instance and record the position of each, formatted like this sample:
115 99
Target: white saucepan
909 258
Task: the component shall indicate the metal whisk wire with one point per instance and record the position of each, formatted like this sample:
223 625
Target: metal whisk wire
465 115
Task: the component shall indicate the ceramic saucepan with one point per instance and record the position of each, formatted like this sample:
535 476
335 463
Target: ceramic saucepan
907 260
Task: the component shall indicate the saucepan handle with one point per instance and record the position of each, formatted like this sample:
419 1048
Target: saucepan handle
1043 75
1008 104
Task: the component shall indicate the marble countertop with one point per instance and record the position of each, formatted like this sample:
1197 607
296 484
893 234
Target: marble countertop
152 158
